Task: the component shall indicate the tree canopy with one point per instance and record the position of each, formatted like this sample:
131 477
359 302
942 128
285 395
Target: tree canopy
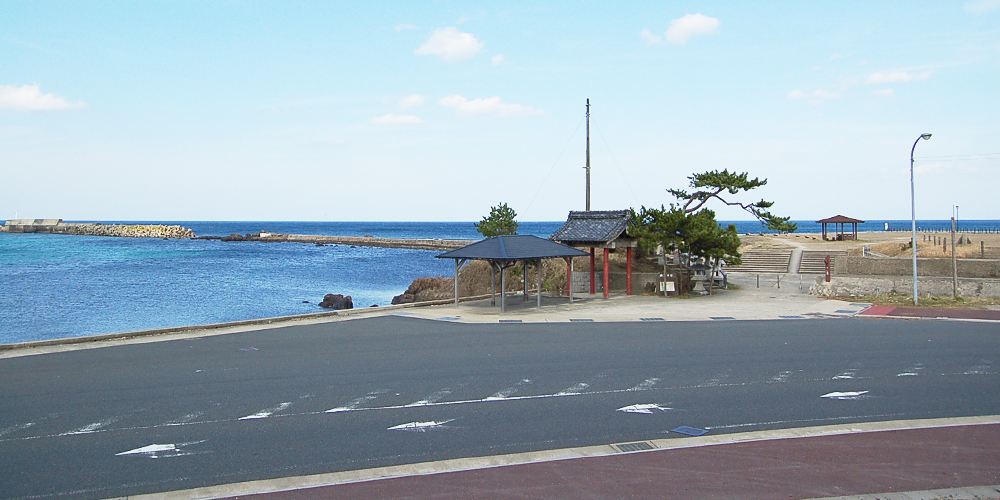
714 184
696 234
500 221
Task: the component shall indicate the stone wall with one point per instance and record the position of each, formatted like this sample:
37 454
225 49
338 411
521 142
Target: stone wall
849 286
899 266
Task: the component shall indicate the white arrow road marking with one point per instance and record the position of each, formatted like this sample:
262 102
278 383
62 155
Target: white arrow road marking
646 408
87 429
419 426
15 428
912 371
508 392
432 398
353 405
160 450
185 419
780 377
844 395
573 389
979 369
267 413
645 385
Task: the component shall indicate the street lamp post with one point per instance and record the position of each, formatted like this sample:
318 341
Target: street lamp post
913 219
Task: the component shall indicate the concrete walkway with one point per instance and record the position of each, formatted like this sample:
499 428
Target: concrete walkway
770 296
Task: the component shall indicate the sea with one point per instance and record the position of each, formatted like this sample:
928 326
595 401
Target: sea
59 286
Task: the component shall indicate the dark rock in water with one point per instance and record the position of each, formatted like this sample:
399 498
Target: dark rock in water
233 237
305 301
373 305
337 301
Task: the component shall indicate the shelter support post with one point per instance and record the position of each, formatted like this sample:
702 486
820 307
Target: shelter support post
493 284
593 282
539 297
569 278
503 289
607 271
570 262
628 271
525 279
456 281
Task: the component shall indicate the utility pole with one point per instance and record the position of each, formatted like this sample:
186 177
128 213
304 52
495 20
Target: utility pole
954 261
588 155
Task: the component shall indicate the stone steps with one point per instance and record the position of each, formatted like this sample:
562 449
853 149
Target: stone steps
813 261
762 261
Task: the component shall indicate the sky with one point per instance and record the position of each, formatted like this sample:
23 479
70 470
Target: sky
436 111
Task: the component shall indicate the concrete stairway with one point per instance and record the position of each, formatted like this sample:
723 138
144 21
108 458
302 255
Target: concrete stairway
813 260
762 261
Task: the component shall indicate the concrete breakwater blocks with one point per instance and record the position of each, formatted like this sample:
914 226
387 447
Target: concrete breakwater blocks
57 226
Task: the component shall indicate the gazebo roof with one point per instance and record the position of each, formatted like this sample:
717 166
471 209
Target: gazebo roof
592 227
840 219
514 247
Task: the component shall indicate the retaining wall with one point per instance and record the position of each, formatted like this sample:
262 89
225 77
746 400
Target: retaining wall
848 286
899 266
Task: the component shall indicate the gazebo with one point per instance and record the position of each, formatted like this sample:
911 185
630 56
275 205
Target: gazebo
841 220
599 229
505 251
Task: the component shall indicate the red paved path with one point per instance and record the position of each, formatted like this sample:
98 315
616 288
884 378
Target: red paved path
930 312
851 464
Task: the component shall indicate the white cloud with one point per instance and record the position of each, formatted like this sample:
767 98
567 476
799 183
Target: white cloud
31 98
818 94
648 37
412 101
897 77
497 59
981 6
452 45
691 25
391 119
885 92
488 106
405 26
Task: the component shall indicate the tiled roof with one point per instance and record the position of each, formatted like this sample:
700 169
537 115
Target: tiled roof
515 247
592 227
836 219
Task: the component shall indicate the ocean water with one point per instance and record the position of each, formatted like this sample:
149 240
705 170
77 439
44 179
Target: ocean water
57 286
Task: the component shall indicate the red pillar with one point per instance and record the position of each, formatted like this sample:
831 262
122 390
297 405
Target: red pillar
607 270
569 276
628 271
593 282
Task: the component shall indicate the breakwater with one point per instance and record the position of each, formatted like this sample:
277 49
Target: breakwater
354 241
57 226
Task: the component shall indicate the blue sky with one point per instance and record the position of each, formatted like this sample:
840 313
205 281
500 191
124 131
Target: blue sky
414 111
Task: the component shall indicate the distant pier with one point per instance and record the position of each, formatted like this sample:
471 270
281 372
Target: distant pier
57 226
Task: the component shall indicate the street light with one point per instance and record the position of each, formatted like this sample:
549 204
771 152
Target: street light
913 219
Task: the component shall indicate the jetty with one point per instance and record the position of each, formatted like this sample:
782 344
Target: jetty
359 241
57 226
